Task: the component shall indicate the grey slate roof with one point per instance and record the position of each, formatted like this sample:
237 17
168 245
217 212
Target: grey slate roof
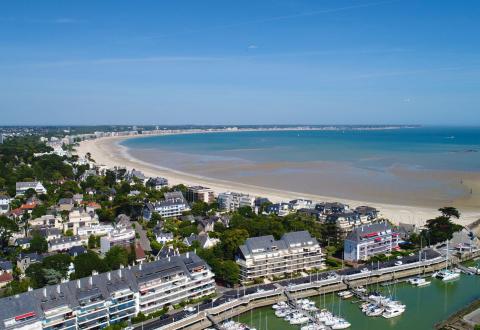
73 293
5 265
262 244
357 233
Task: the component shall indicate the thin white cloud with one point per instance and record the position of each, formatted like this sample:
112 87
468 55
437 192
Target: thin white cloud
277 18
59 20
119 60
66 20
252 46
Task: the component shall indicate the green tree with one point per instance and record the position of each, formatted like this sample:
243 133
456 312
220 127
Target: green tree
441 228
7 228
228 272
231 239
86 263
51 276
16 287
115 257
38 244
60 262
110 178
39 211
449 212
199 208
36 275
92 242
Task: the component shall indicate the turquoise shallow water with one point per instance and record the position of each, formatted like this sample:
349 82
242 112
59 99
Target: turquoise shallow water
425 307
427 166
441 148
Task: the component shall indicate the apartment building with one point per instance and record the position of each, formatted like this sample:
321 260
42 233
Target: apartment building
47 221
231 201
173 205
120 236
369 240
22 187
65 242
80 218
266 257
99 300
168 281
199 193
96 230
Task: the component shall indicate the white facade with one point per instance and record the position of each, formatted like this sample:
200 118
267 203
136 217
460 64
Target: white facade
4 204
79 218
96 230
231 201
120 236
65 243
22 187
266 257
370 240
47 220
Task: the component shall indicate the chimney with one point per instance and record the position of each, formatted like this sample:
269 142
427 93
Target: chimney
30 288
79 284
109 276
90 280
168 258
45 292
120 273
58 289
188 255
140 267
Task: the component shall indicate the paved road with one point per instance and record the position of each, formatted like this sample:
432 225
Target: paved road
144 241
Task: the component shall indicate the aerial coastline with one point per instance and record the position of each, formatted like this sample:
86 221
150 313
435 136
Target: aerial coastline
109 152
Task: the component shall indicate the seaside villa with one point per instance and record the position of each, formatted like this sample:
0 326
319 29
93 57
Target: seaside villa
266 257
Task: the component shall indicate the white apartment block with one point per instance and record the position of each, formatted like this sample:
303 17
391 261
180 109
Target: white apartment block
118 237
174 279
231 201
266 257
96 230
369 240
173 206
47 221
199 193
66 242
79 218
22 187
99 300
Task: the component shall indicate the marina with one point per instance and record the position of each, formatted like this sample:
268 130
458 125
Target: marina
425 306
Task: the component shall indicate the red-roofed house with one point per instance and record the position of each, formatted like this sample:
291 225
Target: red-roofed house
5 278
139 254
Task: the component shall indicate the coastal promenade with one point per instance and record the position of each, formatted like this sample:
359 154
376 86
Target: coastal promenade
241 300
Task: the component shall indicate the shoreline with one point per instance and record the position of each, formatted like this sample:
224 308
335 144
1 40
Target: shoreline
108 152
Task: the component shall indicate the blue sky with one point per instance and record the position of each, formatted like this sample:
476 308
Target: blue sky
240 62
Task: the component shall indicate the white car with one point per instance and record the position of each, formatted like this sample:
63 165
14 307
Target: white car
398 263
190 309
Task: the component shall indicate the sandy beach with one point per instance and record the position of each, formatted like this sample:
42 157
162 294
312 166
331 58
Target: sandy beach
109 153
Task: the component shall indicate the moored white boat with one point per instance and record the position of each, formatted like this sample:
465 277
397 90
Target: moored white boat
341 324
393 311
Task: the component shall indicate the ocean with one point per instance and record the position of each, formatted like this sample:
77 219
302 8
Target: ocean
425 165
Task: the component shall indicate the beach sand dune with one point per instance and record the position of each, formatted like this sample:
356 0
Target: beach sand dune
107 152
